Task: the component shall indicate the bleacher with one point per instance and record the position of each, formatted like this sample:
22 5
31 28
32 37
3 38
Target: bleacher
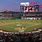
21 37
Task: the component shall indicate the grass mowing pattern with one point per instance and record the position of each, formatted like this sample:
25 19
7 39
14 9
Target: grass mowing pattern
11 25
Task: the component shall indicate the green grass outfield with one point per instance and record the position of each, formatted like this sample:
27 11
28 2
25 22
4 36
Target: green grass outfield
27 25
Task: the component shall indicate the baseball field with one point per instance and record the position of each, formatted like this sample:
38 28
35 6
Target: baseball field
20 25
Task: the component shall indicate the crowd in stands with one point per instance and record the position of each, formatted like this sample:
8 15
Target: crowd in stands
21 37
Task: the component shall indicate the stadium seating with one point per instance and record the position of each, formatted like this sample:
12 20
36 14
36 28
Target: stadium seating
21 37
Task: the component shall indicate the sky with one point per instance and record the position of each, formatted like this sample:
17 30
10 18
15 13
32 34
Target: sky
14 5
